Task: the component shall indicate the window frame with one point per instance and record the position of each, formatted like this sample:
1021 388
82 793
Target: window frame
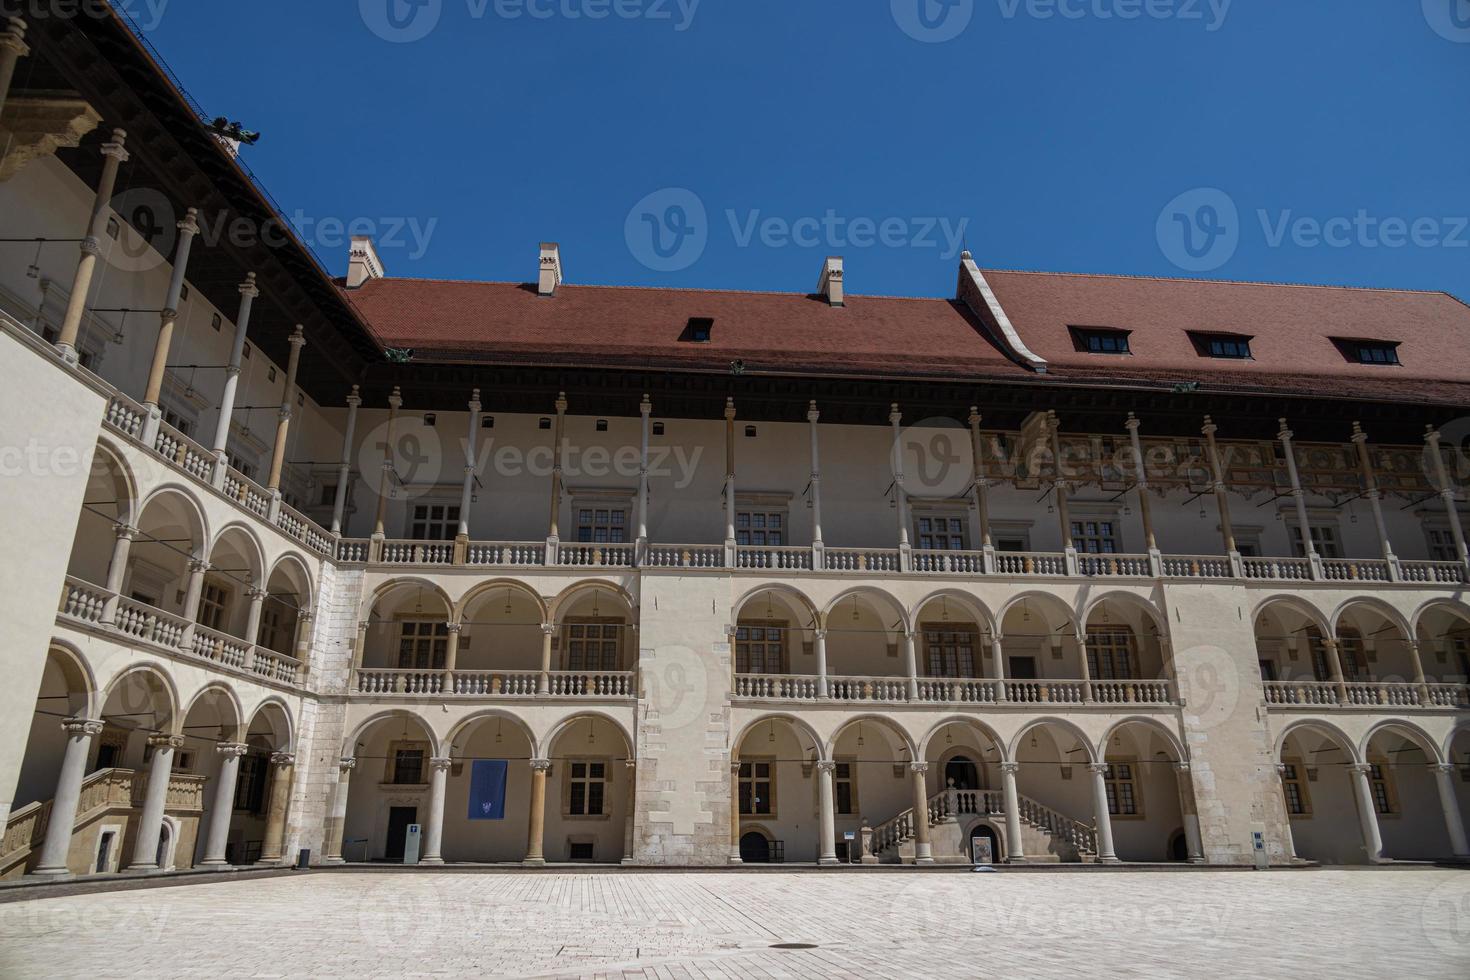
398 748
447 524
1115 783
977 653
749 764
567 638
1127 650
215 600
849 782
783 645
571 780
956 525
1297 778
1108 341
1083 521
438 656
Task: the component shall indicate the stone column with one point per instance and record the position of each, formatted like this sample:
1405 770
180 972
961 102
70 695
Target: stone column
252 616
1190 812
1444 779
1367 815
630 771
1105 852
911 664
543 683
248 292
302 646
1064 515
1286 812
283 419
818 545
1222 497
900 492
395 402
1300 497
827 829
57 843
1145 511
451 655
12 48
192 594
223 805
467 492
997 651
155 800
1334 663
730 483
71 324
273 848
735 812
344 469
1446 492
536 825
1087 693
923 848
553 532
434 829
982 490
1420 681
645 411
188 228
1375 499
117 570
823 690
1015 850
337 816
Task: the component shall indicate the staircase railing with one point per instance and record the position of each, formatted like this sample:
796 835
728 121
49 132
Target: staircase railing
950 803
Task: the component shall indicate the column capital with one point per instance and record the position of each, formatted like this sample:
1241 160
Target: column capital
734 766
114 147
820 633
630 764
1181 767
894 415
441 765
395 400
1359 436
1431 436
919 767
548 629
561 403
1097 767
283 759
1448 768
975 417
125 531
645 407
729 410
82 726
13 38
254 594
189 224
1010 767
1281 768
812 415
1132 424
1285 435
346 764
166 741
248 287
199 565
1361 768
298 337
1210 428
540 765
826 765
355 398
475 404
454 627
730 630
231 750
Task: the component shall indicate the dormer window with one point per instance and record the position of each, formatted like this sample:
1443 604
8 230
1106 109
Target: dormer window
699 330
1380 352
1227 346
1100 340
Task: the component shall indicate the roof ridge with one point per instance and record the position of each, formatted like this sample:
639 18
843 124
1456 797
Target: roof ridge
1222 282
650 289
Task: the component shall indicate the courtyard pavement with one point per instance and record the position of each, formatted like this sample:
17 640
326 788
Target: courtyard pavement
1338 923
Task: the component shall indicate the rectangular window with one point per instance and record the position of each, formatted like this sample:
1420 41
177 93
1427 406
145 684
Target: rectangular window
1382 788
1298 803
1110 653
949 652
273 632
1378 354
177 420
433 522
1095 537
586 788
594 645
250 783
214 604
1222 345
760 648
1324 538
844 787
757 785
939 533
1441 544
760 528
1122 791
422 645
602 525
408 764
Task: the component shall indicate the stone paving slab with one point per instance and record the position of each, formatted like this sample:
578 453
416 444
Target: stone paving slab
692 926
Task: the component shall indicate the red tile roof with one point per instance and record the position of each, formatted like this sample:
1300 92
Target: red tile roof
446 321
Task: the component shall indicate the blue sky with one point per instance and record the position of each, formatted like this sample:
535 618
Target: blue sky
1312 141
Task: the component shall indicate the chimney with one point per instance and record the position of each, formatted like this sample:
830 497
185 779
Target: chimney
550 269
830 285
363 262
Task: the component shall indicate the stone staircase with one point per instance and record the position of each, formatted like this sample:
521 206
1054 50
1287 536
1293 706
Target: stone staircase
106 792
1046 835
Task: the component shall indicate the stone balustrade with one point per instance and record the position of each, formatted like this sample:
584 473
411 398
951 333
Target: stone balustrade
953 690
490 684
1365 694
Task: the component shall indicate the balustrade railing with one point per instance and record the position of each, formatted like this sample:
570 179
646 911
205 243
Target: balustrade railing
352 551
595 555
1114 566
776 687
686 556
1196 566
1301 692
1355 570
957 690
861 559
1367 694
418 553
221 648
143 622
774 559
507 554
950 562
607 685
1029 563
1132 692
868 688
1288 569
1046 692
1438 572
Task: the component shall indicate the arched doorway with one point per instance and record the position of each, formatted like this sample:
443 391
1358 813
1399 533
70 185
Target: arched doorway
984 845
755 848
960 772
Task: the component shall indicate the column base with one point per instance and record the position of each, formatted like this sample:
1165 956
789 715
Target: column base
1108 860
627 862
142 869
52 873
735 859
433 862
828 862
534 863
334 860
269 862
923 854
215 866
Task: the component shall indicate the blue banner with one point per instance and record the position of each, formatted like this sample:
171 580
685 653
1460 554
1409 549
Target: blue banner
487 789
